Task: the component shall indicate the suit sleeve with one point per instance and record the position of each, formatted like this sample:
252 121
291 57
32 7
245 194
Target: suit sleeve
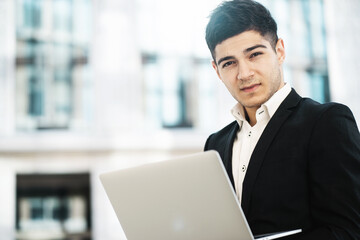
206 147
334 176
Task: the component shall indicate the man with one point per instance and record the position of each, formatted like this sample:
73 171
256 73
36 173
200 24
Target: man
293 162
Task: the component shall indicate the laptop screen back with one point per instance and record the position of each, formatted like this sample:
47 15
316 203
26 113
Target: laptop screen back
184 198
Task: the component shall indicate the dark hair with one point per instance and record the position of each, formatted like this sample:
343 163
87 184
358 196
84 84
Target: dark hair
233 17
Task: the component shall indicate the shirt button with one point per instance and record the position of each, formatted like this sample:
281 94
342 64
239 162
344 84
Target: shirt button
249 133
243 168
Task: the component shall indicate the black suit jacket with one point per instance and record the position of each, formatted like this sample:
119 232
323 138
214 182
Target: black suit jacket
304 171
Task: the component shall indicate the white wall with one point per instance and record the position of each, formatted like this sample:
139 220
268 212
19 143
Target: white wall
343 38
7 199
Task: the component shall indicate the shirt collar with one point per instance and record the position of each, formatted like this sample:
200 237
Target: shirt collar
270 106
274 102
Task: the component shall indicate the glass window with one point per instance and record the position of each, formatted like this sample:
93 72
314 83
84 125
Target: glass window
301 25
174 54
57 206
51 63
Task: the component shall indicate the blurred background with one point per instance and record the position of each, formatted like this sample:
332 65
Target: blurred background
89 86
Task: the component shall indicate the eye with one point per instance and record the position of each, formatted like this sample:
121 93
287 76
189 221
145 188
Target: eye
227 64
255 54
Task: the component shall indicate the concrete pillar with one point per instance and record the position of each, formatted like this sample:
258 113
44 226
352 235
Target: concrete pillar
116 63
7 67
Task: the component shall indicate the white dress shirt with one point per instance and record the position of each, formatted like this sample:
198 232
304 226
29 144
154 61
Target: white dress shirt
248 136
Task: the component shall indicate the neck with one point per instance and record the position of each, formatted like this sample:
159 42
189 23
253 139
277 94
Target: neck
250 115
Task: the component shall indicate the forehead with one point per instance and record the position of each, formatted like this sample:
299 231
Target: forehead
239 43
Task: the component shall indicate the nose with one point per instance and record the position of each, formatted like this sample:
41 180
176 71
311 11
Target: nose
245 71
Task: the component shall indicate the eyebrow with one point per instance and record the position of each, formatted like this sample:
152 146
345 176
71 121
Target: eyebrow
254 47
245 51
224 59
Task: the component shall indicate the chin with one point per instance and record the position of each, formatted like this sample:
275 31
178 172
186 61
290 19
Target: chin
253 104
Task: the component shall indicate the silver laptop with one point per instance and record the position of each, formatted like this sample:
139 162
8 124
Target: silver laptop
184 198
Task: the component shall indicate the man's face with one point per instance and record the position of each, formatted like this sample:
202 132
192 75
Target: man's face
250 68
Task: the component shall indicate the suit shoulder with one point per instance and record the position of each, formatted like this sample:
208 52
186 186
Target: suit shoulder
226 129
221 136
310 112
316 108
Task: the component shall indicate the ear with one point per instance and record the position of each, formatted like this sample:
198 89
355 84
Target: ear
280 51
215 68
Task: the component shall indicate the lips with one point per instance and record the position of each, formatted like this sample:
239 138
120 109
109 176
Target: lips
250 88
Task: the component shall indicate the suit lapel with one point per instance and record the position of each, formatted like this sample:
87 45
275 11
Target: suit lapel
228 152
257 157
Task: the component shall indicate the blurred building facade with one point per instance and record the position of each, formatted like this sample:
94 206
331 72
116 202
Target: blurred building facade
89 86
